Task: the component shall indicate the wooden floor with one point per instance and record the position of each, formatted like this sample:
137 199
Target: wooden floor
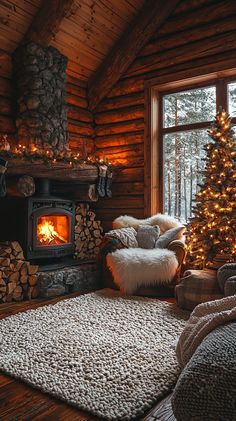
20 402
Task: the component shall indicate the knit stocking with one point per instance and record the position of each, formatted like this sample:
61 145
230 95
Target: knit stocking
109 183
102 180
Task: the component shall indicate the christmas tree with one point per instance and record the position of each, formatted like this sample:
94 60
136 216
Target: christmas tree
211 236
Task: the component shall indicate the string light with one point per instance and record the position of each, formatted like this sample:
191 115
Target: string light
211 232
34 154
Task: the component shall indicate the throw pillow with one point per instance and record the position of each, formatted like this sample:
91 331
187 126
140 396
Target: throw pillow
169 236
147 236
127 236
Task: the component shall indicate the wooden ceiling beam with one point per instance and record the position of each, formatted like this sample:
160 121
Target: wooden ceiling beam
125 50
47 21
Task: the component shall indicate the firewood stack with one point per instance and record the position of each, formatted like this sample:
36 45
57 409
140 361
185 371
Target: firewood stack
88 233
18 278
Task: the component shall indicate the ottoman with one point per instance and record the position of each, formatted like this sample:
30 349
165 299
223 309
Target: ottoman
196 287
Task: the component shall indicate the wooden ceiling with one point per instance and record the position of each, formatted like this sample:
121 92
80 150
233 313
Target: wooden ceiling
85 37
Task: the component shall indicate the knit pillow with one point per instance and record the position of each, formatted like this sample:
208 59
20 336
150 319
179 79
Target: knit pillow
169 236
147 236
127 236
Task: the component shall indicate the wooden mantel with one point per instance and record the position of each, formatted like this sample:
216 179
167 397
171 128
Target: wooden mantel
83 173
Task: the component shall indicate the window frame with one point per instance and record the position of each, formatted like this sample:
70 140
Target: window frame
154 130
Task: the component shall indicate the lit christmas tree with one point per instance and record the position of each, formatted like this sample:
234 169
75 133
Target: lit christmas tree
212 231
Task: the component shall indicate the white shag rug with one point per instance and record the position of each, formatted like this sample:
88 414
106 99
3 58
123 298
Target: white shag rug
111 355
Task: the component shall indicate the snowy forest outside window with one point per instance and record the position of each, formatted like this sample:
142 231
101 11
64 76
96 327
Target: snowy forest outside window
184 119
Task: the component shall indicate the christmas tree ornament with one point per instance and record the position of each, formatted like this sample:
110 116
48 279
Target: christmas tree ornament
102 180
211 240
109 180
3 168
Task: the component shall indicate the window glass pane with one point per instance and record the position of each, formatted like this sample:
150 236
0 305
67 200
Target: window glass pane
183 165
187 107
232 99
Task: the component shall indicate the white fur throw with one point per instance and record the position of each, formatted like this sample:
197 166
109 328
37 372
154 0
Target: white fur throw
165 222
135 267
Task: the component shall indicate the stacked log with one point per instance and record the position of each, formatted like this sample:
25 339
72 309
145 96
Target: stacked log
18 278
88 233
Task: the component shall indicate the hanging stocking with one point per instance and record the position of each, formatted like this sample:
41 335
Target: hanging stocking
102 180
109 183
3 168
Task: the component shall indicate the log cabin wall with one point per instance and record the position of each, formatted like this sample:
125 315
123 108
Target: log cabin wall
82 30
80 119
199 38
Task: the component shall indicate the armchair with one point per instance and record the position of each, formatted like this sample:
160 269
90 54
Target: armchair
155 288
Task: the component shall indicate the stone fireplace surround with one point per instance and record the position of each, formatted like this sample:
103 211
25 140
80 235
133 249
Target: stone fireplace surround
41 121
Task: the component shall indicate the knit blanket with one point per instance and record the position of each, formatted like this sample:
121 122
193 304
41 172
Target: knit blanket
204 318
205 390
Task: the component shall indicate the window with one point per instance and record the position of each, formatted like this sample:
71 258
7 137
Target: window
184 116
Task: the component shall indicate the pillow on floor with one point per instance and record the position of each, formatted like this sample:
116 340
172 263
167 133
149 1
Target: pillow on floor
136 267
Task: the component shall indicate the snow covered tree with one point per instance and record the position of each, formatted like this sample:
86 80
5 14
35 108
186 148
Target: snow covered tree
183 149
212 230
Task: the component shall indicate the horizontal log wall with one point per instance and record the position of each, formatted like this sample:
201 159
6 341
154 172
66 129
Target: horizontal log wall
199 38
80 119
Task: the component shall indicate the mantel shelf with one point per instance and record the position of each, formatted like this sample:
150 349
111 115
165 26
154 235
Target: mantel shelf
60 171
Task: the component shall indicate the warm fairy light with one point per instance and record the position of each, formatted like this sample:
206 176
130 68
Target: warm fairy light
34 153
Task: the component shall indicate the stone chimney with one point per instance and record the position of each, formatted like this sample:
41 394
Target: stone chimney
40 76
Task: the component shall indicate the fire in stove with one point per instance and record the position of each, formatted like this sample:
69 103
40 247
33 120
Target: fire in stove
52 230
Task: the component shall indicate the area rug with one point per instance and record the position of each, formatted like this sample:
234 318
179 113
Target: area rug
111 355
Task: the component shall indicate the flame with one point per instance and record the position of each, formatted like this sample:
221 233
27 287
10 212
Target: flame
52 230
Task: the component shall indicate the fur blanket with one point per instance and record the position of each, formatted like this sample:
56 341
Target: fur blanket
165 222
204 318
135 267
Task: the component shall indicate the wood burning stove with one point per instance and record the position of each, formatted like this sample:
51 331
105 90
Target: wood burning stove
43 225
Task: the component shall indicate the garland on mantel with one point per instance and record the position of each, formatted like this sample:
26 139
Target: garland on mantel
48 160
23 152
105 172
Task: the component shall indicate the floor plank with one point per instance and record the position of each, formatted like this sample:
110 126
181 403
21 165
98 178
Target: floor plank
21 402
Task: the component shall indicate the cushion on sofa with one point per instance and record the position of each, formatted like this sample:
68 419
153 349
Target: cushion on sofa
147 236
168 236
